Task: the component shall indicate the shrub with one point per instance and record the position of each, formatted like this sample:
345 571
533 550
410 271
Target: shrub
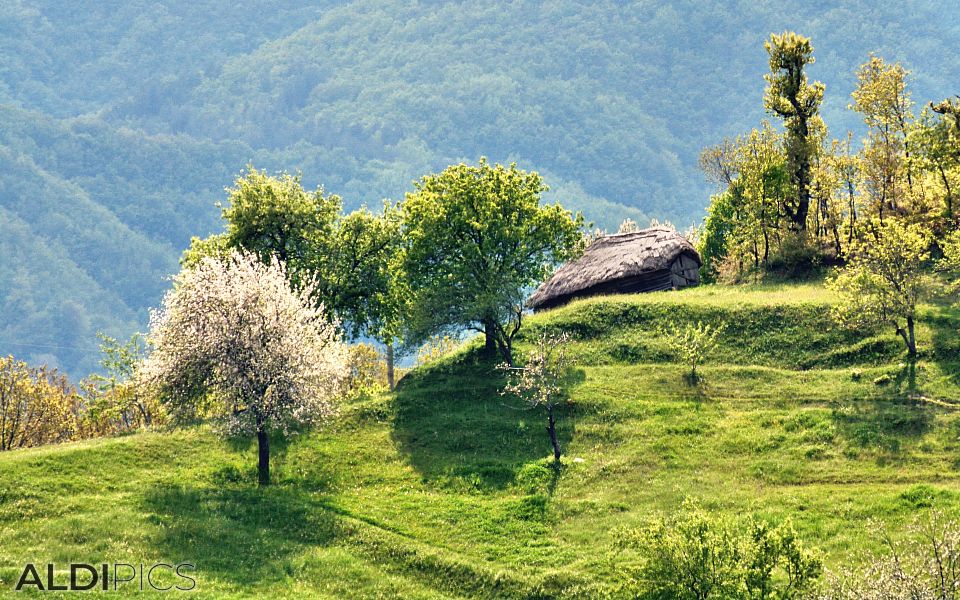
696 555
116 402
37 406
367 370
436 348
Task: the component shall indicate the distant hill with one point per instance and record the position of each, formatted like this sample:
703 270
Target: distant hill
121 121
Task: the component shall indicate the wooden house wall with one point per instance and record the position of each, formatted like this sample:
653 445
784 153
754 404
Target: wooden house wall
685 272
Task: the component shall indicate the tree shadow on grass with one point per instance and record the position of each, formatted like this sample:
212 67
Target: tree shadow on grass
457 430
241 534
883 425
944 323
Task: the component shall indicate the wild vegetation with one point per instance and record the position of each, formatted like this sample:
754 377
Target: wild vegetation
716 442
796 200
795 419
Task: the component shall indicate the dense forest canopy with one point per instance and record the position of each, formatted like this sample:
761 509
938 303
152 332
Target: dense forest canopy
122 121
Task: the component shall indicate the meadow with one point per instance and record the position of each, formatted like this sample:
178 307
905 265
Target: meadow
443 489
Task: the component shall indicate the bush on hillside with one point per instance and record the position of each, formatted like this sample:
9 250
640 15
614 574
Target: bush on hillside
115 402
697 555
367 370
435 348
37 406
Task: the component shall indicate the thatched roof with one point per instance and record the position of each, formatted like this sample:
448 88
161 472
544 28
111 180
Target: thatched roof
615 257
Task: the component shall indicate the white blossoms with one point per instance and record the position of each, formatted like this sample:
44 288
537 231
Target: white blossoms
232 333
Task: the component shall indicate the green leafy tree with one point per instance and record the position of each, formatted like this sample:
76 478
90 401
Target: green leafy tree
881 97
950 109
790 97
216 246
275 217
115 401
356 273
884 279
475 239
349 261
937 151
743 226
544 380
950 263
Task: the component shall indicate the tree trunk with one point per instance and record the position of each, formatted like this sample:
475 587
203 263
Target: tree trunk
506 350
390 374
853 213
552 430
147 421
946 184
490 333
803 195
909 338
912 344
263 451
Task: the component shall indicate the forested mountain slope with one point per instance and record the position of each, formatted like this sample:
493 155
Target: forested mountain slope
121 121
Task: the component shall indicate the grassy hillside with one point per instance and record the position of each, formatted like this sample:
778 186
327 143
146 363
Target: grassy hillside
442 490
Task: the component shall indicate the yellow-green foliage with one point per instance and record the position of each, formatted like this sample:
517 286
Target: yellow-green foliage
368 370
436 348
694 554
885 278
37 406
691 343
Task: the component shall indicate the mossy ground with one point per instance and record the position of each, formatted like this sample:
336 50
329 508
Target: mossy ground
443 489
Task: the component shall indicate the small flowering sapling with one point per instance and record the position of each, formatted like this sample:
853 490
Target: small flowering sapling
233 337
541 381
692 342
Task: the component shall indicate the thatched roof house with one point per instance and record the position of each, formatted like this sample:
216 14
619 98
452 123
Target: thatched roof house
649 260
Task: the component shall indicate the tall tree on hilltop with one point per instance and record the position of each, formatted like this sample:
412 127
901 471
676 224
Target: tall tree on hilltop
882 99
950 109
790 97
936 151
475 239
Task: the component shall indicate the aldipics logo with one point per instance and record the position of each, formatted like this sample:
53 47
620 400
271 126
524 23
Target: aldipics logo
78 577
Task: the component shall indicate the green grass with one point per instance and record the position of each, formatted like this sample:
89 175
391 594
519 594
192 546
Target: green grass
442 490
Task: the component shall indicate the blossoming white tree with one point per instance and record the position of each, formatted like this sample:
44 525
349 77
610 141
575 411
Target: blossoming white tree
232 339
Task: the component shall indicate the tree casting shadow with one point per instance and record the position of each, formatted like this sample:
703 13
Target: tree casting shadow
883 424
473 437
242 534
